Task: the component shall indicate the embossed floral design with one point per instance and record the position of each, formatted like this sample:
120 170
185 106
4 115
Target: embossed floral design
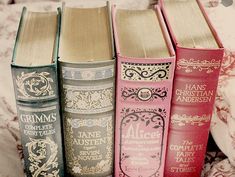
77 169
76 123
101 167
95 96
143 94
189 65
145 72
79 100
31 85
138 113
182 120
88 73
43 157
145 115
104 164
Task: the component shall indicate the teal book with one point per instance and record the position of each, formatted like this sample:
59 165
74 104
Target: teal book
34 73
87 75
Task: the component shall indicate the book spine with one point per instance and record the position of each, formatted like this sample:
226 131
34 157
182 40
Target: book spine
88 115
144 89
195 83
38 108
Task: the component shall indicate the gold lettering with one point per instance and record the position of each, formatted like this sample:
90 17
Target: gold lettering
194 93
34 118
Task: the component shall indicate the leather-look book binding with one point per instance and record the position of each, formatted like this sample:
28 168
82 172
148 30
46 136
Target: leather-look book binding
143 92
34 72
87 73
195 82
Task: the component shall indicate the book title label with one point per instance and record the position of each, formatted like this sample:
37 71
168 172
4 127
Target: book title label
141 135
90 142
40 128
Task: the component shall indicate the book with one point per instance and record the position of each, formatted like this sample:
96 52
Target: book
87 69
145 69
34 73
199 54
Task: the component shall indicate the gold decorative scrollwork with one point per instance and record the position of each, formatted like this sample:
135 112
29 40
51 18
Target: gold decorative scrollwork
32 85
182 120
200 65
43 157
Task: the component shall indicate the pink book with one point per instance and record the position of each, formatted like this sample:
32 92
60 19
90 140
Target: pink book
195 82
145 68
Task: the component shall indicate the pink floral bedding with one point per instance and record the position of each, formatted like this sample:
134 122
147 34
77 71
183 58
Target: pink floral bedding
222 13
216 164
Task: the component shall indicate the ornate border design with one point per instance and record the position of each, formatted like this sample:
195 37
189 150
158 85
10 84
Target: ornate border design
144 94
183 120
189 65
74 164
153 115
145 72
88 100
152 118
34 85
88 73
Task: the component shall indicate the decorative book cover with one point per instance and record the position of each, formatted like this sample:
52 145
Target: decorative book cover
87 72
145 68
195 83
36 94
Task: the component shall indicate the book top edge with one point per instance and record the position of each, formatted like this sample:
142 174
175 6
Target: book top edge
53 64
162 27
83 8
180 47
147 60
210 25
55 50
94 42
79 63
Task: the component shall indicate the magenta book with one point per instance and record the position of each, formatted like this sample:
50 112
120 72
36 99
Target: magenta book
199 55
145 69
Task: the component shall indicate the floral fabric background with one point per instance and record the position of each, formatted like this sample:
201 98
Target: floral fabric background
221 13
